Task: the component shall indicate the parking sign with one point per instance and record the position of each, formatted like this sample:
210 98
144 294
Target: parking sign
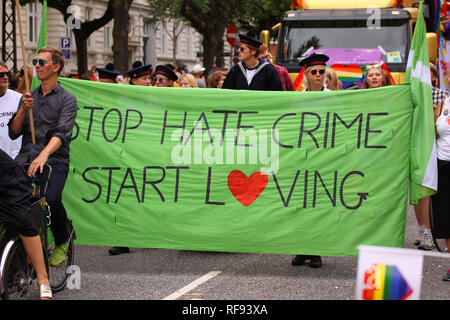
65 43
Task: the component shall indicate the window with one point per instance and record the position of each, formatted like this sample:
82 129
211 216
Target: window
107 35
32 22
188 42
163 41
87 17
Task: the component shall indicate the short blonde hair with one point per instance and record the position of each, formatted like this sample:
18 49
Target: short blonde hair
189 79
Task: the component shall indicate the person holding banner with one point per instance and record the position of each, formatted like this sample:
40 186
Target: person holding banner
140 74
441 217
314 68
376 77
108 74
54 110
252 73
165 76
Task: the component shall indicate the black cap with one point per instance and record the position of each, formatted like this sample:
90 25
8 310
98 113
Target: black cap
166 71
315 59
108 72
139 70
250 40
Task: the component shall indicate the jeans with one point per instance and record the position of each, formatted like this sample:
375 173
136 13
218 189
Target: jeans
53 197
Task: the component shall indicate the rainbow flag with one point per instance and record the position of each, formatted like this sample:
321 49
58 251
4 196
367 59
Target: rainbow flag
385 282
348 74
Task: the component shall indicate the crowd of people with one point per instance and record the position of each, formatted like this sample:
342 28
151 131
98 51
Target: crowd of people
55 110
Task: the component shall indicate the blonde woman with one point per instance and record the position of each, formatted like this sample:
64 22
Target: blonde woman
376 77
332 81
187 80
314 75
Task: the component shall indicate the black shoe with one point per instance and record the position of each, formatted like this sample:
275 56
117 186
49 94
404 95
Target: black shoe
316 262
118 250
300 259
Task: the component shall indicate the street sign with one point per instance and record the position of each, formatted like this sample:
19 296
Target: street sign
231 35
66 53
65 42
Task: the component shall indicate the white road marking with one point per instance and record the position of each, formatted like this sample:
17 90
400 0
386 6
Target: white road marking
192 285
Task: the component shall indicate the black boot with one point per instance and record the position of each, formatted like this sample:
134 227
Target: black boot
316 262
118 250
300 259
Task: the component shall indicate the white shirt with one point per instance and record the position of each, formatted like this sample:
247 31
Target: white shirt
443 130
9 103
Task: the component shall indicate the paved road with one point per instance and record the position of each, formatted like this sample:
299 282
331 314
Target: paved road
156 274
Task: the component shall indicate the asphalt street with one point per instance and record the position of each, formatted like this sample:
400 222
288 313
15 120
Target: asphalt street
157 274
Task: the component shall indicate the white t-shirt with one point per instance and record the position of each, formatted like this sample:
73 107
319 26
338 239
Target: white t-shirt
443 129
9 103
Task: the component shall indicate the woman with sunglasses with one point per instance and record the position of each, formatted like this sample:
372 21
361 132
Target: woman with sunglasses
252 73
315 68
376 77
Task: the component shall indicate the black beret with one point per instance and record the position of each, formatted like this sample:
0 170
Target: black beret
108 72
166 71
247 39
315 59
139 70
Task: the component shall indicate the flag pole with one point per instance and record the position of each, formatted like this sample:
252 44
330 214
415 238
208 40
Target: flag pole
25 69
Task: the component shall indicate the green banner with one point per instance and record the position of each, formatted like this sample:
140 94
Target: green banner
240 171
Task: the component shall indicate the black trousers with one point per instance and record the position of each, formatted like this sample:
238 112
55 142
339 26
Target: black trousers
441 209
54 199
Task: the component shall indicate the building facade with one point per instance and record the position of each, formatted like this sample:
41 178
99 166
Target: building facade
146 42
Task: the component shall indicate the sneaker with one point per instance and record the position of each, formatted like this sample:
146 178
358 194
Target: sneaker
446 276
426 242
419 236
59 255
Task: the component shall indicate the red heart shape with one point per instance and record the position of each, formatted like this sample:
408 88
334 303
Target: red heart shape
244 189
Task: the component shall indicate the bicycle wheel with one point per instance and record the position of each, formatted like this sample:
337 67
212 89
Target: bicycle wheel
20 280
441 244
58 276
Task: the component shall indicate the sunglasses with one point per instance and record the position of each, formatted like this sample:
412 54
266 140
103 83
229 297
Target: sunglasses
313 72
41 62
375 66
160 80
242 49
2 74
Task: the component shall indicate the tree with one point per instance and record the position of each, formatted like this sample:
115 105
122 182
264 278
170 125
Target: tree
210 18
163 13
261 15
120 34
81 30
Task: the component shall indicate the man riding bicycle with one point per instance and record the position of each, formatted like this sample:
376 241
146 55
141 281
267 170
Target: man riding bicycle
54 112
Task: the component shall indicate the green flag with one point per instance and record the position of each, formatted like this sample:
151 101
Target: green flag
42 43
423 147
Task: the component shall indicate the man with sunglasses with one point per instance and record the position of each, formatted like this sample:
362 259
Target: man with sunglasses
252 73
314 68
9 102
54 112
165 76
